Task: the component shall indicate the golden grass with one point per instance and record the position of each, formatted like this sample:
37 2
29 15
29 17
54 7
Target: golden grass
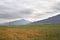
30 32
27 34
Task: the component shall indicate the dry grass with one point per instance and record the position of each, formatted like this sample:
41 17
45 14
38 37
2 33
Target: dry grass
29 34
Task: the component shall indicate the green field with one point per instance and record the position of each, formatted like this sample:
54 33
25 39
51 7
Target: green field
30 32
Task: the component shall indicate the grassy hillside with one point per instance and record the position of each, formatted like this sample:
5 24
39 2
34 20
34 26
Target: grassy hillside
30 32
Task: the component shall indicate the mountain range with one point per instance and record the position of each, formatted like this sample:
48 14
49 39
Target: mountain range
17 22
54 19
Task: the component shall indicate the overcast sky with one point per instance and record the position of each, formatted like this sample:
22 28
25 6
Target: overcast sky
32 10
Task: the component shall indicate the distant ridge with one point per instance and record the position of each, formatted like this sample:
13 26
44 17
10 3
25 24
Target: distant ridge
54 19
18 22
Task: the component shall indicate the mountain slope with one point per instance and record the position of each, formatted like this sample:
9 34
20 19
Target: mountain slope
18 22
55 19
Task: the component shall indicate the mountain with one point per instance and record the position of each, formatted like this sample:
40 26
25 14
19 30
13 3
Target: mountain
54 19
18 22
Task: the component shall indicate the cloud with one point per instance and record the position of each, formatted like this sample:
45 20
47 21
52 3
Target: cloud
19 14
56 7
28 9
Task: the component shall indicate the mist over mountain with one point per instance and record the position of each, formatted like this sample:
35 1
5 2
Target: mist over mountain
54 19
17 22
